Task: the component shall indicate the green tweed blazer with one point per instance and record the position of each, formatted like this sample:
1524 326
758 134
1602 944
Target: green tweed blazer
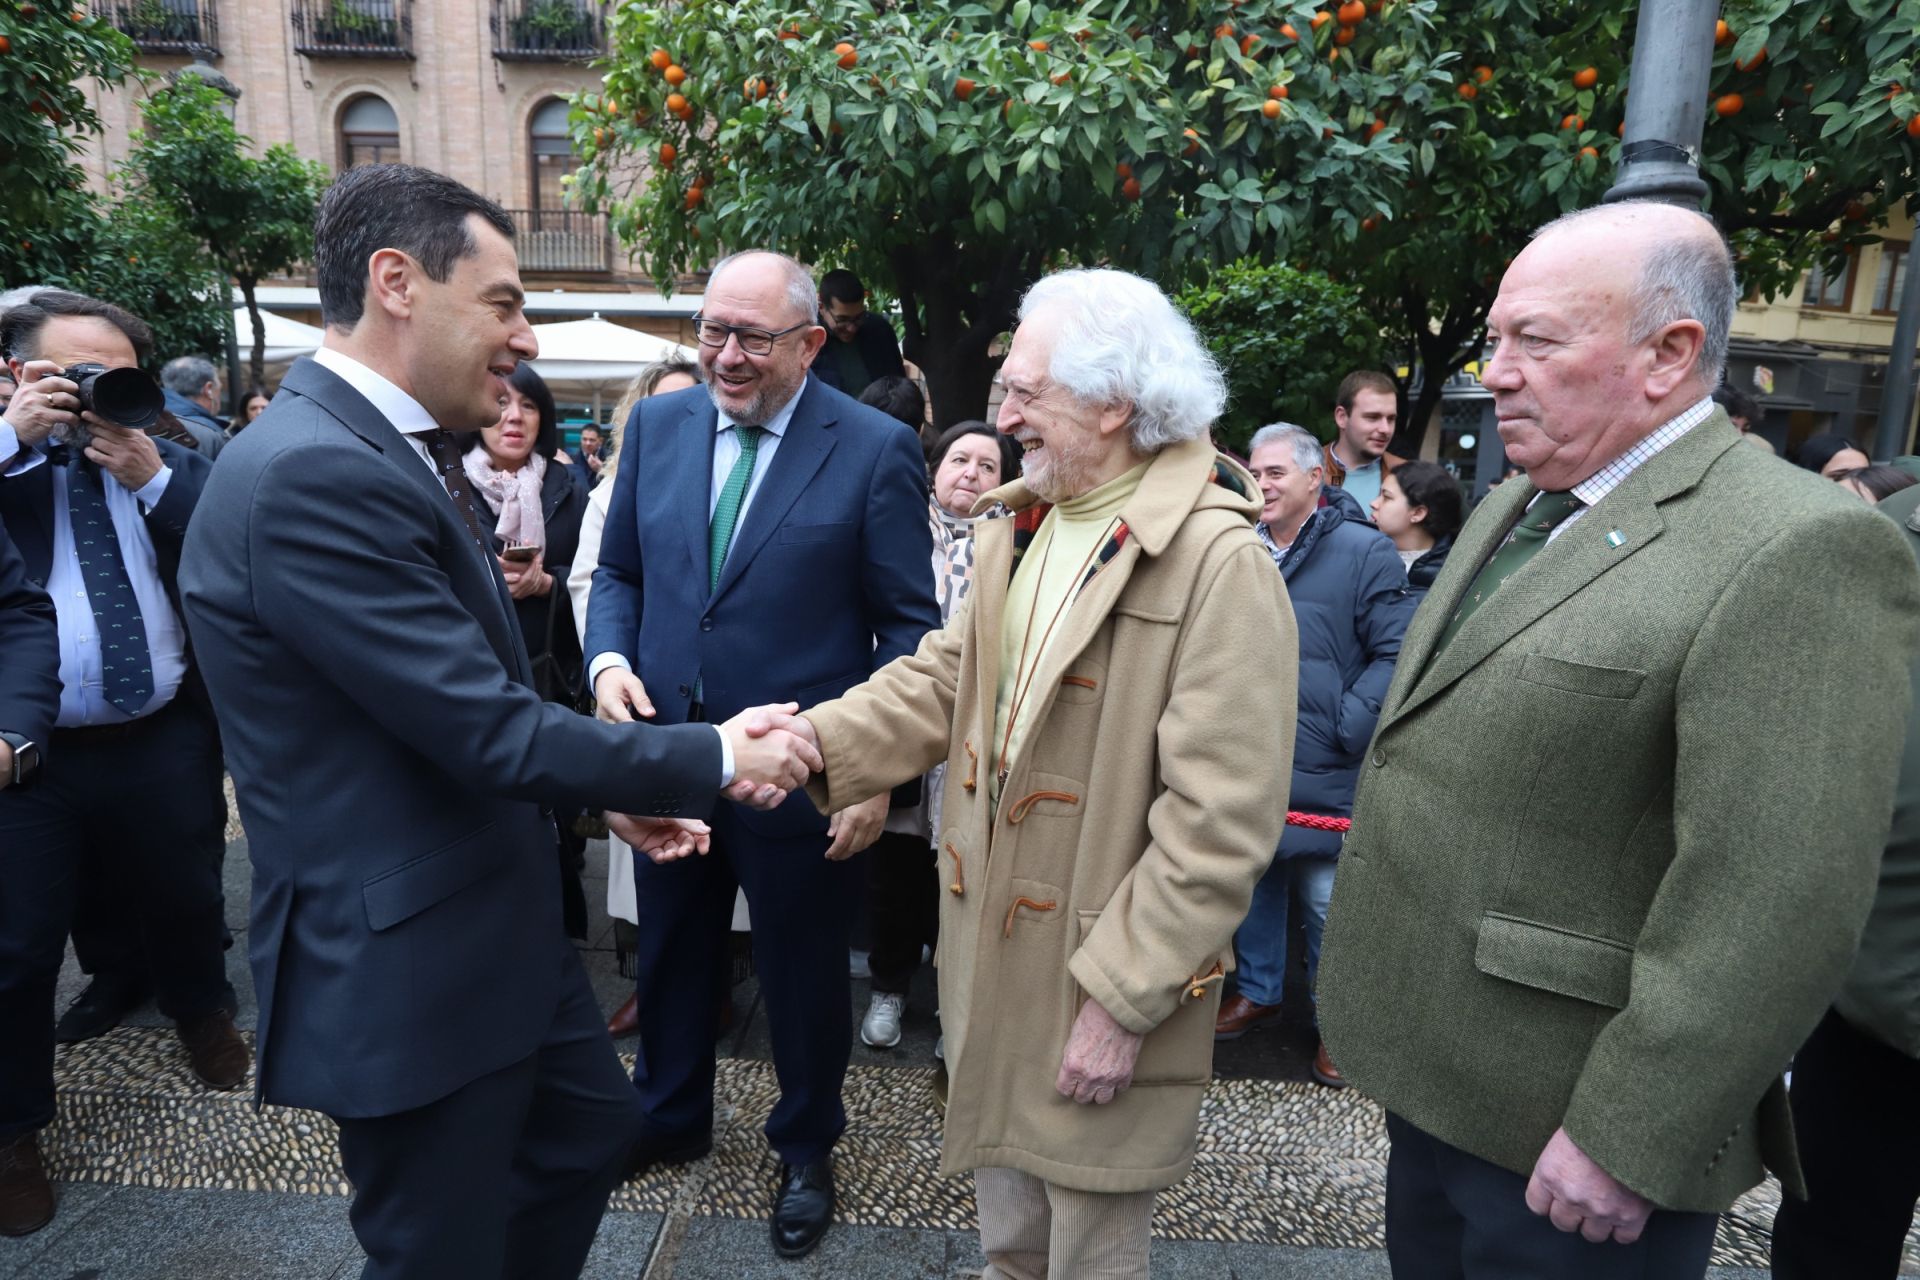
1614 845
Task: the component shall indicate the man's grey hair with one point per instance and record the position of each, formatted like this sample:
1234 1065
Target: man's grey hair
188 375
801 294
1122 341
1304 444
1686 277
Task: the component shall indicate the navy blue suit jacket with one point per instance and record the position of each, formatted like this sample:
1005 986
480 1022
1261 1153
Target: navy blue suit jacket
393 764
829 579
30 645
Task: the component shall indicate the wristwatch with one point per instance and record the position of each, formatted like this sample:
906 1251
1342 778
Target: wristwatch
26 757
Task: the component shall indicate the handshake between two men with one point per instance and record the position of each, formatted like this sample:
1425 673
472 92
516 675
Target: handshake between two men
775 752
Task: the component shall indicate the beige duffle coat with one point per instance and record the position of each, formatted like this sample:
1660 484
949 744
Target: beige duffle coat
1130 833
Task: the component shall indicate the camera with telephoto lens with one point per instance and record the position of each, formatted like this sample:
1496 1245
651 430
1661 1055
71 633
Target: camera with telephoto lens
125 397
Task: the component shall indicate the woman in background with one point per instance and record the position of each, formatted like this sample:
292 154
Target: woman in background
1420 506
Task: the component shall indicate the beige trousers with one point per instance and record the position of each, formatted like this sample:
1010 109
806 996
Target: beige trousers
1034 1230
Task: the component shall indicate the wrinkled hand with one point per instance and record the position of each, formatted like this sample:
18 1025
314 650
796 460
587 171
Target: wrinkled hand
43 402
619 696
661 839
131 457
1574 1193
526 578
1098 1064
6 765
856 827
768 753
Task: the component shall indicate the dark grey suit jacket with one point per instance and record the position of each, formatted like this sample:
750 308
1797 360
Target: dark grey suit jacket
30 643
395 770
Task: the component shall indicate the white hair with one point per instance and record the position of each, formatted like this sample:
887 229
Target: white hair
801 294
1305 445
1121 340
1684 277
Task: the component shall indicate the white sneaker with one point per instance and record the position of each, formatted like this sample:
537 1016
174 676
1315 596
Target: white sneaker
881 1027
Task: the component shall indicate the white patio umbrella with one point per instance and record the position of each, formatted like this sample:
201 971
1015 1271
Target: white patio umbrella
287 339
596 357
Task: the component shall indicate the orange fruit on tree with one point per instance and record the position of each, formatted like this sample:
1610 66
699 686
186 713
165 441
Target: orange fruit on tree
1193 141
1913 127
677 102
1752 63
660 59
848 56
791 33
668 154
1038 46
1320 19
1590 153
599 137
1728 104
1270 109
1353 13
1061 77
1468 92
1130 188
1722 34
1287 29
1123 170
1343 37
963 88
1277 91
1586 78
1005 107
1369 223
1483 74
6 45
1223 32
1246 44
1574 123
694 196
676 75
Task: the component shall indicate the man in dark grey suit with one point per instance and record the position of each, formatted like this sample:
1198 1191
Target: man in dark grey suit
397 773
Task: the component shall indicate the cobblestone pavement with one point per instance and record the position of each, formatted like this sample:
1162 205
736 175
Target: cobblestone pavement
160 1178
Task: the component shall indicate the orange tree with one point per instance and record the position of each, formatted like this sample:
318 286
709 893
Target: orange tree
953 153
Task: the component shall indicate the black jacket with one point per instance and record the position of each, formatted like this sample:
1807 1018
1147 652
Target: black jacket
30 641
879 351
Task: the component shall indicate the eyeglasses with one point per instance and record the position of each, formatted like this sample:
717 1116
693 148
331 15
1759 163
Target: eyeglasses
753 341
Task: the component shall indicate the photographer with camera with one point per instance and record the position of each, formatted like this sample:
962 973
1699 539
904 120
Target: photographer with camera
127 812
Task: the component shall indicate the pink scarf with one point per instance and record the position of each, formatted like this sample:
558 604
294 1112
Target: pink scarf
514 494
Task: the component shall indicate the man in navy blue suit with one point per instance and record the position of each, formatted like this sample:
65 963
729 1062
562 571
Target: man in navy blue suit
398 775
130 807
767 542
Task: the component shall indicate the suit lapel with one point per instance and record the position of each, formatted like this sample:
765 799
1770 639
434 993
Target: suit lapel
802 450
687 471
32 494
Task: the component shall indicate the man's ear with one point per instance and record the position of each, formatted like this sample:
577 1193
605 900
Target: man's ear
1674 356
390 278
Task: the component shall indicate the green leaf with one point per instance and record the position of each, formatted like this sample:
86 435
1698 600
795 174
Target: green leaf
997 215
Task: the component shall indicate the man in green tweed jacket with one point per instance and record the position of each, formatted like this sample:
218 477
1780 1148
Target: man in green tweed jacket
1618 830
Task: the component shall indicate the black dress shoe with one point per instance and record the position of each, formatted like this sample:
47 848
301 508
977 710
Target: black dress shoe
107 999
802 1208
664 1148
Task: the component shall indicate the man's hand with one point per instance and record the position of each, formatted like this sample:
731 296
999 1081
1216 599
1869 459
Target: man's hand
767 752
527 578
1098 1064
662 839
856 827
620 696
131 457
1575 1194
6 765
593 463
44 402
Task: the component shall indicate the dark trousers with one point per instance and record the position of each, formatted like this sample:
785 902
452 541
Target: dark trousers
1856 1118
1454 1216
509 1175
802 907
903 907
140 803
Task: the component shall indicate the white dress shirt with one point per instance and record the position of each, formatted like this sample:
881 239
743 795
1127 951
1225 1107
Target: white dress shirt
82 672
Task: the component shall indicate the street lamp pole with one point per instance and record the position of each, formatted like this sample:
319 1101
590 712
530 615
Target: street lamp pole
203 70
1896 395
1667 105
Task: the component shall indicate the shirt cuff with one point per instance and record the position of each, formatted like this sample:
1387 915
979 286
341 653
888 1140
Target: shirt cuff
153 490
726 758
601 662
27 460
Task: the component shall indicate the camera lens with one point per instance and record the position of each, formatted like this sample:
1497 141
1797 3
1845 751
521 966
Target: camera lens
125 397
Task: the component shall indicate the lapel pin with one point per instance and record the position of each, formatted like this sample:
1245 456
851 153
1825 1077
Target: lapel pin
1615 538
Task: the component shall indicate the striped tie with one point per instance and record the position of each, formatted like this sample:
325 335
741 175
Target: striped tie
726 512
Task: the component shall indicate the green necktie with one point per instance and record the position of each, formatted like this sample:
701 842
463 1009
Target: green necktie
1528 537
726 512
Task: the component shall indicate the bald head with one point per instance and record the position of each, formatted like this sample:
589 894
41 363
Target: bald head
1611 322
764 273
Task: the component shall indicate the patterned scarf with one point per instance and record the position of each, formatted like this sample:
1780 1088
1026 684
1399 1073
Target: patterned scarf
514 494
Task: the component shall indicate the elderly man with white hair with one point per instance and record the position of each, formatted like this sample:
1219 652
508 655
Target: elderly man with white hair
1114 785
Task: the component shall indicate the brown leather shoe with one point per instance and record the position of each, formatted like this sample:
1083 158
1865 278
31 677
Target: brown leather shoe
1240 1015
626 1019
218 1054
26 1197
1325 1072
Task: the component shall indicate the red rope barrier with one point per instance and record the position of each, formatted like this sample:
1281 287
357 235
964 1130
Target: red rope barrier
1318 821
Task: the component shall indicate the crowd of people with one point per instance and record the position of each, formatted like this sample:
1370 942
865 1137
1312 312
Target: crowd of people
1554 795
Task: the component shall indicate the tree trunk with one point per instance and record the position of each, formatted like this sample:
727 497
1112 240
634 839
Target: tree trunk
954 304
258 364
1443 345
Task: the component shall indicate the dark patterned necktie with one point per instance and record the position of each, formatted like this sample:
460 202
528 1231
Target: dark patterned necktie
1528 538
453 475
126 661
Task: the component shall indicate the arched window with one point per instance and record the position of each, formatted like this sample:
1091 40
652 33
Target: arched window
551 150
369 132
